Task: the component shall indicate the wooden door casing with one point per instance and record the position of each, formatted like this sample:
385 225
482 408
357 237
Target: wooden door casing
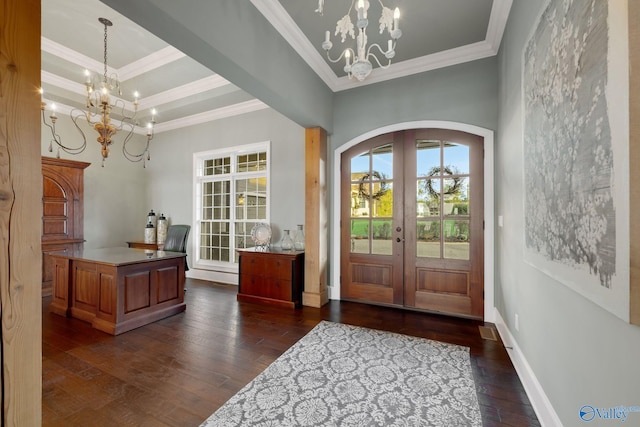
451 286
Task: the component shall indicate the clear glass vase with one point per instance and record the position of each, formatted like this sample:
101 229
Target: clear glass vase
287 242
298 241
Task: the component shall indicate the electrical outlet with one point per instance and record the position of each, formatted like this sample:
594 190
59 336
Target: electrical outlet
517 325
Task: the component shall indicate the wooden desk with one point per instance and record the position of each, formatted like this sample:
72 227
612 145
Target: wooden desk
274 277
143 245
118 289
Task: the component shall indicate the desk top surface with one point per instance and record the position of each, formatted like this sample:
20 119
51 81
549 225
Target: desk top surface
117 256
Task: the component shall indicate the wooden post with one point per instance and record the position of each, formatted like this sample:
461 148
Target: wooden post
634 158
20 213
316 219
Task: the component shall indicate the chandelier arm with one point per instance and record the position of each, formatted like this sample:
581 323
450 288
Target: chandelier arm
338 59
133 157
120 104
371 55
52 127
58 140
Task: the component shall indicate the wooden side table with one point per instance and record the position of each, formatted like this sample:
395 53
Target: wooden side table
143 245
274 277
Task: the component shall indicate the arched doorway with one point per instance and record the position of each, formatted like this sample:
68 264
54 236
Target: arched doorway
412 219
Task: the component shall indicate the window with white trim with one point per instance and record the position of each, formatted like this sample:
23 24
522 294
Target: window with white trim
231 195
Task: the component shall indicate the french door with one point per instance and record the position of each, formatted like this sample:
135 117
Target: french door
412 221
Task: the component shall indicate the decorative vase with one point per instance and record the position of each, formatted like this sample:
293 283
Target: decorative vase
149 233
161 229
298 242
151 217
287 242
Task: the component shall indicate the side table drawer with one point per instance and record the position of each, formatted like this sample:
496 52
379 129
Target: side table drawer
266 287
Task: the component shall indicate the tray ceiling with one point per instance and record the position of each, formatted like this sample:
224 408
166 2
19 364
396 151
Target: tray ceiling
436 33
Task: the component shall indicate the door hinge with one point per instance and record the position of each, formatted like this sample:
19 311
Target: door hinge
483 224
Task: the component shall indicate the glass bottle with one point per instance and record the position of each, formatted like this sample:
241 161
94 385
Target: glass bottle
287 242
298 242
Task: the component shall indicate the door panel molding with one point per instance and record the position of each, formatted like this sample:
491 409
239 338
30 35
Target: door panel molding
489 215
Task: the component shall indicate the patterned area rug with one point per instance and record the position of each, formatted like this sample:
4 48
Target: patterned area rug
341 375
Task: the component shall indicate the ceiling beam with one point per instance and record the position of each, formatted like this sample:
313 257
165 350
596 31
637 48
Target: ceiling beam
233 39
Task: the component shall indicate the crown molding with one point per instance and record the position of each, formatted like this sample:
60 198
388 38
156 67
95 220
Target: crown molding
82 61
143 65
284 24
150 62
193 88
498 22
209 116
434 61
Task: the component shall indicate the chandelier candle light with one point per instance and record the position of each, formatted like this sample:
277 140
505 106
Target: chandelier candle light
361 66
98 115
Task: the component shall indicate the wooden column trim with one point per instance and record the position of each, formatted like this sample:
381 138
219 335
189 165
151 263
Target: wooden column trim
20 213
634 159
315 218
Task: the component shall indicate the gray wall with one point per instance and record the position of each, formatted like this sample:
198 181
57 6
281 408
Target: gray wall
580 353
171 168
465 93
114 196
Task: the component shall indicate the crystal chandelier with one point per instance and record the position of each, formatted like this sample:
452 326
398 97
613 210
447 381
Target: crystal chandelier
98 114
361 66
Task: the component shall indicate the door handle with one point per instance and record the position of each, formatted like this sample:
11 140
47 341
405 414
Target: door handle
398 239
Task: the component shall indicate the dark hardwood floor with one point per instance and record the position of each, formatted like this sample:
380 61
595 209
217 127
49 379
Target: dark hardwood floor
179 370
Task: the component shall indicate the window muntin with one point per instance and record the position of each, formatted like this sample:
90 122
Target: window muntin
231 196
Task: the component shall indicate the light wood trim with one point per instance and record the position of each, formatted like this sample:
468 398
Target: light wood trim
20 213
634 158
316 218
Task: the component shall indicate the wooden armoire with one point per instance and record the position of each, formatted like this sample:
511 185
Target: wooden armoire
62 211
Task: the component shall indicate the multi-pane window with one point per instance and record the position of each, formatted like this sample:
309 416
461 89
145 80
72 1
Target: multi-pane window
231 196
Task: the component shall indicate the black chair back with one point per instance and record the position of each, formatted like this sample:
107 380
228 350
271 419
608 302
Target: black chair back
176 240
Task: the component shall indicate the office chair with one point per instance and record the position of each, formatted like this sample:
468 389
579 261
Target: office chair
176 240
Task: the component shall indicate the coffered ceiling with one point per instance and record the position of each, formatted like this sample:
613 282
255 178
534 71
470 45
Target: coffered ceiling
436 33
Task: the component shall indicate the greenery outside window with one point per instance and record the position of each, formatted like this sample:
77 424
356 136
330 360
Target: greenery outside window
231 195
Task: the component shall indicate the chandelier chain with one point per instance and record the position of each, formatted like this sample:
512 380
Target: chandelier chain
105 53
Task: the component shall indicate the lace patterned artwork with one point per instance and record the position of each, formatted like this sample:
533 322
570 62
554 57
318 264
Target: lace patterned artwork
570 205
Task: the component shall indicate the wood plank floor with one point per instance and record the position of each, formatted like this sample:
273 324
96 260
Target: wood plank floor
179 370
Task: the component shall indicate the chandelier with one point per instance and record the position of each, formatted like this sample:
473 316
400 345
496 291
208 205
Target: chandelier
361 66
98 115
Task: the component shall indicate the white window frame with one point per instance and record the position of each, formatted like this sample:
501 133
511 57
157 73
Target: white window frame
198 179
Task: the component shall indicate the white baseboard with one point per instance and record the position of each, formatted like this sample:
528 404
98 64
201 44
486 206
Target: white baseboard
213 276
538 398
